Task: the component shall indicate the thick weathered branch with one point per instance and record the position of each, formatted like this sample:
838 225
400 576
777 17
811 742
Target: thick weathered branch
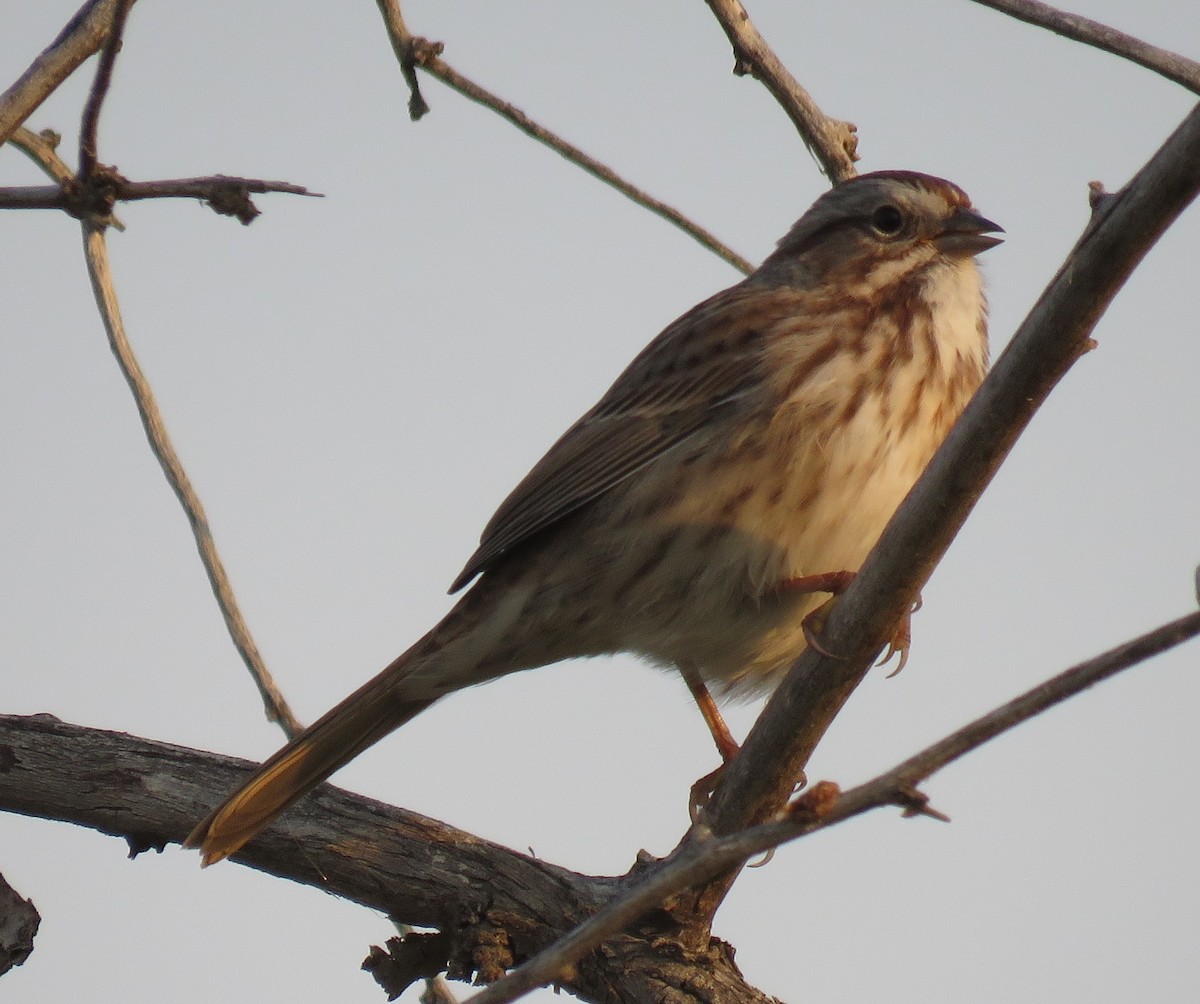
413 868
834 144
476 893
1171 65
82 36
412 51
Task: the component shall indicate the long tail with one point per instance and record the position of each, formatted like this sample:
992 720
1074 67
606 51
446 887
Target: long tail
363 718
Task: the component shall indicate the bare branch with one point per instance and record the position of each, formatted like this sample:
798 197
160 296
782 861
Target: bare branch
431 874
414 51
228 196
702 856
760 779
96 253
160 443
42 149
1180 69
82 36
833 143
403 864
99 91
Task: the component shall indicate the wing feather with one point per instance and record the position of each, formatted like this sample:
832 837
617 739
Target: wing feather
704 361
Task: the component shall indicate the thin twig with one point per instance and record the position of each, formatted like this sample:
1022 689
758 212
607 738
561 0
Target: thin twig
412 50
703 856
1180 69
99 91
226 195
100 274
42 152
160 443
833 143
80 38
42 149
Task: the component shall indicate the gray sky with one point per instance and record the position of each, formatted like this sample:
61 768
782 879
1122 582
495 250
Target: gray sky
354 383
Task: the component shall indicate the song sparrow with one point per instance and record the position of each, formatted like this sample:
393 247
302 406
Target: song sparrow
761 442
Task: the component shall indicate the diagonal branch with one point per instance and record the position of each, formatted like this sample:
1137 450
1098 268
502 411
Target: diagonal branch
82 36
1184 71
99 91
834 144
100 273
702 856
759 781
413 52
42 152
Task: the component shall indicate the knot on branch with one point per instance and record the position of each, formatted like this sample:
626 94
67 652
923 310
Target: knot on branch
233 199
92 195
849 138
422 51
417 51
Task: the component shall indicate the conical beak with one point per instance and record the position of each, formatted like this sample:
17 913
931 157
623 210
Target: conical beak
967 233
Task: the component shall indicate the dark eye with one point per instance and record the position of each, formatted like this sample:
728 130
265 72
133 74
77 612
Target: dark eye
887 220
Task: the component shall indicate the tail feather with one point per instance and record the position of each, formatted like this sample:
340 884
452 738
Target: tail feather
363 718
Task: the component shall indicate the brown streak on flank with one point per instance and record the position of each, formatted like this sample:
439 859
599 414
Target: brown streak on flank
819 414
811 490
734 505
913 410
657 556
815 360
857 396
748 449
669 493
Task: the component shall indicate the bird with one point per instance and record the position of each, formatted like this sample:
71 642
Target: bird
742 465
